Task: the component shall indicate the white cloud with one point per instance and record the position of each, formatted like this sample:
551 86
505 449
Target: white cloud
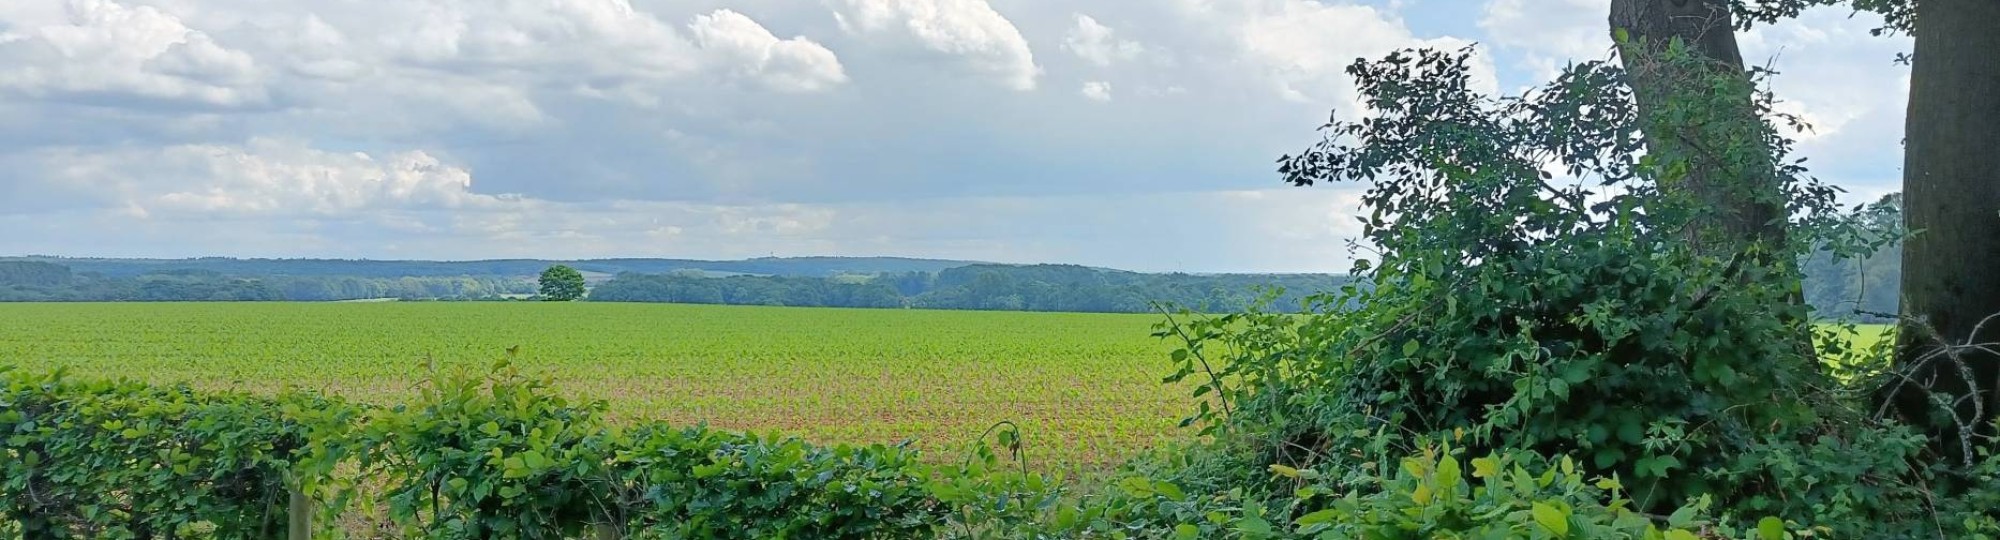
285 198
648 127
262 177
1549 34
1098 44
968 29
99 48
599 37
1304 47
1098 91
796 64
1832 73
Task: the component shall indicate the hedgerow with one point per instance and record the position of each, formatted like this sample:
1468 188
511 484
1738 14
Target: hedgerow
479 455
124 460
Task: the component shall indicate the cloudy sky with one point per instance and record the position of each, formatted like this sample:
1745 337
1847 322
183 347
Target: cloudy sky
1129 134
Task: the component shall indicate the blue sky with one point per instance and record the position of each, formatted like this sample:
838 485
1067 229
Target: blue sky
1126 134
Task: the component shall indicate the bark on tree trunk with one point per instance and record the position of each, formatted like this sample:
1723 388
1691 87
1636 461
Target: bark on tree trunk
1731 179
1745 202
1951 194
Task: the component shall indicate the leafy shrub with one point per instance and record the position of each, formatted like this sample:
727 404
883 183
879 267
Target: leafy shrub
699 483
492 455
1855 481
125 460
1572 317
1434 493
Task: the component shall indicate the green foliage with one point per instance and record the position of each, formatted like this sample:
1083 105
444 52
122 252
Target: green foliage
34 281
1897 15
1562 318
1044 287
1438 494
698 483
33 274
124 460
1533 314
1433 493
561 283
491 456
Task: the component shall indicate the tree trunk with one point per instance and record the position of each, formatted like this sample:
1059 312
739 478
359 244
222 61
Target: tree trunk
1731 184
1743 203
1951 201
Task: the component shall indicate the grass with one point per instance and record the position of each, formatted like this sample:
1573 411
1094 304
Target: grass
1867 335
1084 387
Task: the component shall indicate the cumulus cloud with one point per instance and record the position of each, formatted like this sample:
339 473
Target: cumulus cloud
568 128
1304 47
600 37
100 49
747 49
1098 44
261 177
1549 34
287 198
1098 91
970 30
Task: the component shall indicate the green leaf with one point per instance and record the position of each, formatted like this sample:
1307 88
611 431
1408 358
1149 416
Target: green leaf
1486 467
1254 527
1551 518
1315 518
1448 473
1771 528
1682 518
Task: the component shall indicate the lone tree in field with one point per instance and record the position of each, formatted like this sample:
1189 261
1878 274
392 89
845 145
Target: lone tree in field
560 283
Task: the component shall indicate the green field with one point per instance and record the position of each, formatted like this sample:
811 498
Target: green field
1084 387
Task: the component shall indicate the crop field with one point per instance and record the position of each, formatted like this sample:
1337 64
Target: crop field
1084 387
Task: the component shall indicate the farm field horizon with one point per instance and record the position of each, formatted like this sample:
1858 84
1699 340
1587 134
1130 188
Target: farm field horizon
1085 388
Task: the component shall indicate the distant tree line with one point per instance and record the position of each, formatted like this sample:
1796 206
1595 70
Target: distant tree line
36 281
780 266
1857 289
976 287
1866 288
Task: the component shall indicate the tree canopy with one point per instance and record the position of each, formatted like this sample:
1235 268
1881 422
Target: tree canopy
560 283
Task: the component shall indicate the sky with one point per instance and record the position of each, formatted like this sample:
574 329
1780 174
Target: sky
1129 134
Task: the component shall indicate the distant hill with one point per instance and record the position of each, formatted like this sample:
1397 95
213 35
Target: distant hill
765 266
